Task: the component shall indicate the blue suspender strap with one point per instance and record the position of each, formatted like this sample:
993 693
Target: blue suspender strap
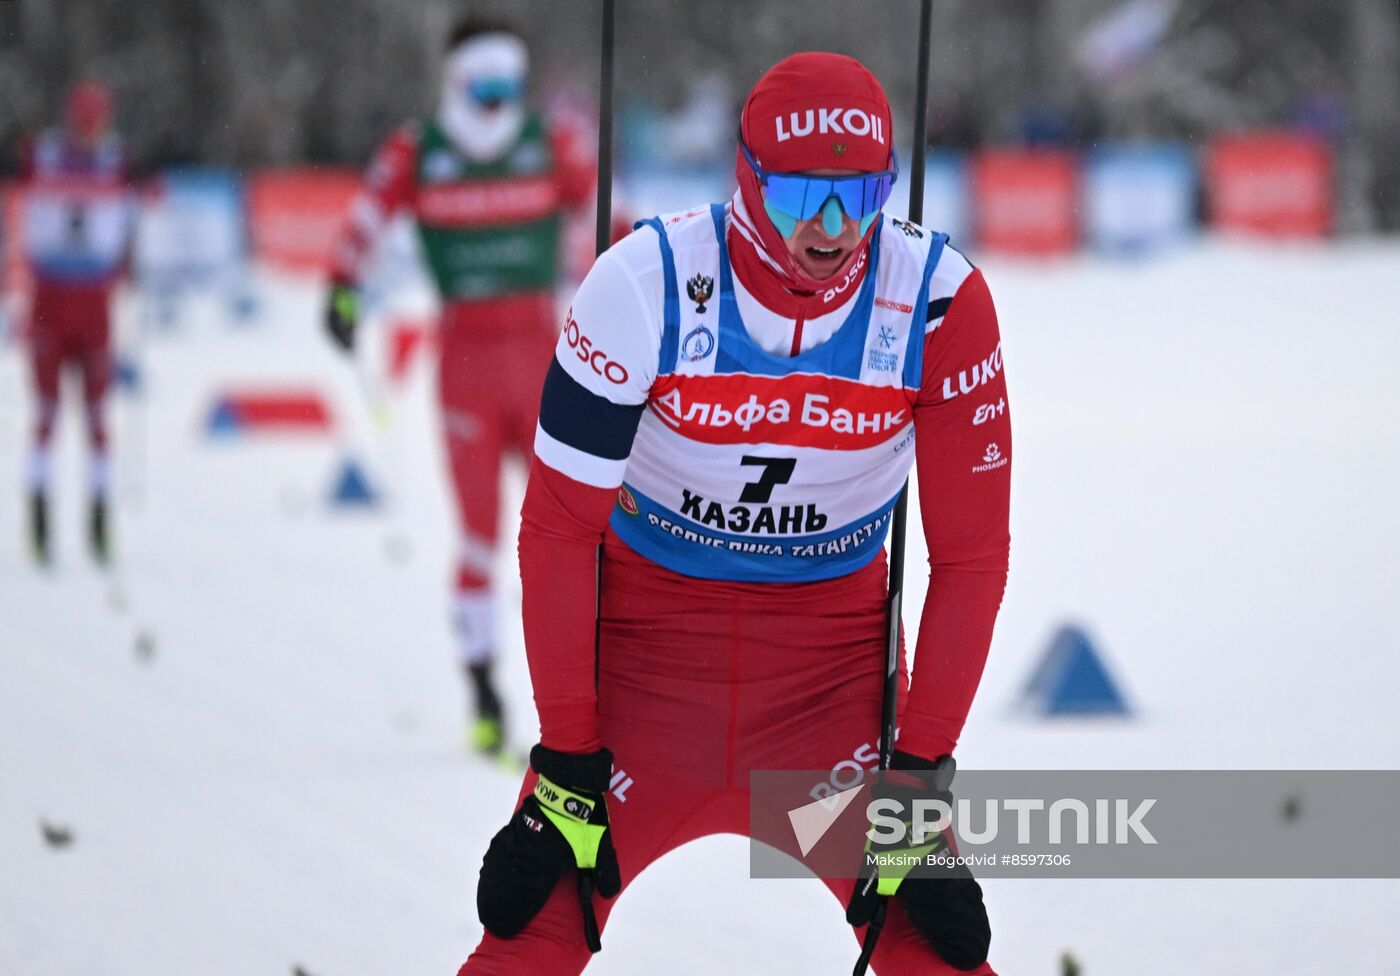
717 216
914 355
726 278
671 310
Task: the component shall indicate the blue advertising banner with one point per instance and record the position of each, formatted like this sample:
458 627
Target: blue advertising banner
1138 197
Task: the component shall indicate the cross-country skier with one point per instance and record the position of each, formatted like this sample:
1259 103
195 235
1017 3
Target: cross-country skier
78 214
737 395
488 183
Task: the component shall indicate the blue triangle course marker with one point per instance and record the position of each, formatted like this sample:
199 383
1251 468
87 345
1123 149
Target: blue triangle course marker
126 375
1071 679
352 487
223 420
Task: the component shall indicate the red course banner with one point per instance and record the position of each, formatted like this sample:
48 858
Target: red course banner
292 410
296 214
1275 184
1024 201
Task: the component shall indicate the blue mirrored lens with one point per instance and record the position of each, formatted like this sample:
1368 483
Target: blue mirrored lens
493 90
803 196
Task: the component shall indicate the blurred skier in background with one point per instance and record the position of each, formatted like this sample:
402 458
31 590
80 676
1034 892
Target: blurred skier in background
78 219
489 184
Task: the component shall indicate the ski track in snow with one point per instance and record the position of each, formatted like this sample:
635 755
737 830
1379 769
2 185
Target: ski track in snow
1207 456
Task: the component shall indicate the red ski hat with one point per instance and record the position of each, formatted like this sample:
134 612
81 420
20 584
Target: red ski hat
813 110
818 110
89 108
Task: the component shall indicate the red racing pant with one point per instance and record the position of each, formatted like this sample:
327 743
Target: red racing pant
70 325
493 356
700 682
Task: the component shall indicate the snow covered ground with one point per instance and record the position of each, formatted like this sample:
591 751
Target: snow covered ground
253 727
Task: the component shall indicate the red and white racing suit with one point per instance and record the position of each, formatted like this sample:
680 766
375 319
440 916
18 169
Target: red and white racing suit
78 214
719 651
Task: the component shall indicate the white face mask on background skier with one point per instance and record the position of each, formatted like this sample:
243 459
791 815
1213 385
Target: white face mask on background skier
483 87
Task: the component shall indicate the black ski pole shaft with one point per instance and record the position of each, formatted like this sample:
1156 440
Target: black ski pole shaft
590 920
901 508
603 226
898 529
591 934
605 128
603 233
916 163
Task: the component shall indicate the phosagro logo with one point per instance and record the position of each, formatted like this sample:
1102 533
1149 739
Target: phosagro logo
992 458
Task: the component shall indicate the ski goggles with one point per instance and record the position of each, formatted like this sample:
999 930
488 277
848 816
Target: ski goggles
491 92
802 196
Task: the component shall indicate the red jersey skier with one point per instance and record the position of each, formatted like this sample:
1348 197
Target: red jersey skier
488 184
77 231
737 395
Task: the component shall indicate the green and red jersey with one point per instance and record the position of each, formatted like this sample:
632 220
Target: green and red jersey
488 229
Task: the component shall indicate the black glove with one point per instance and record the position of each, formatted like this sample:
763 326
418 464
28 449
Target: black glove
562 825
943 903
342 315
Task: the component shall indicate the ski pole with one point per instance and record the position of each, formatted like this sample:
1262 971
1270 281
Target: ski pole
605 130
895 605
601 241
